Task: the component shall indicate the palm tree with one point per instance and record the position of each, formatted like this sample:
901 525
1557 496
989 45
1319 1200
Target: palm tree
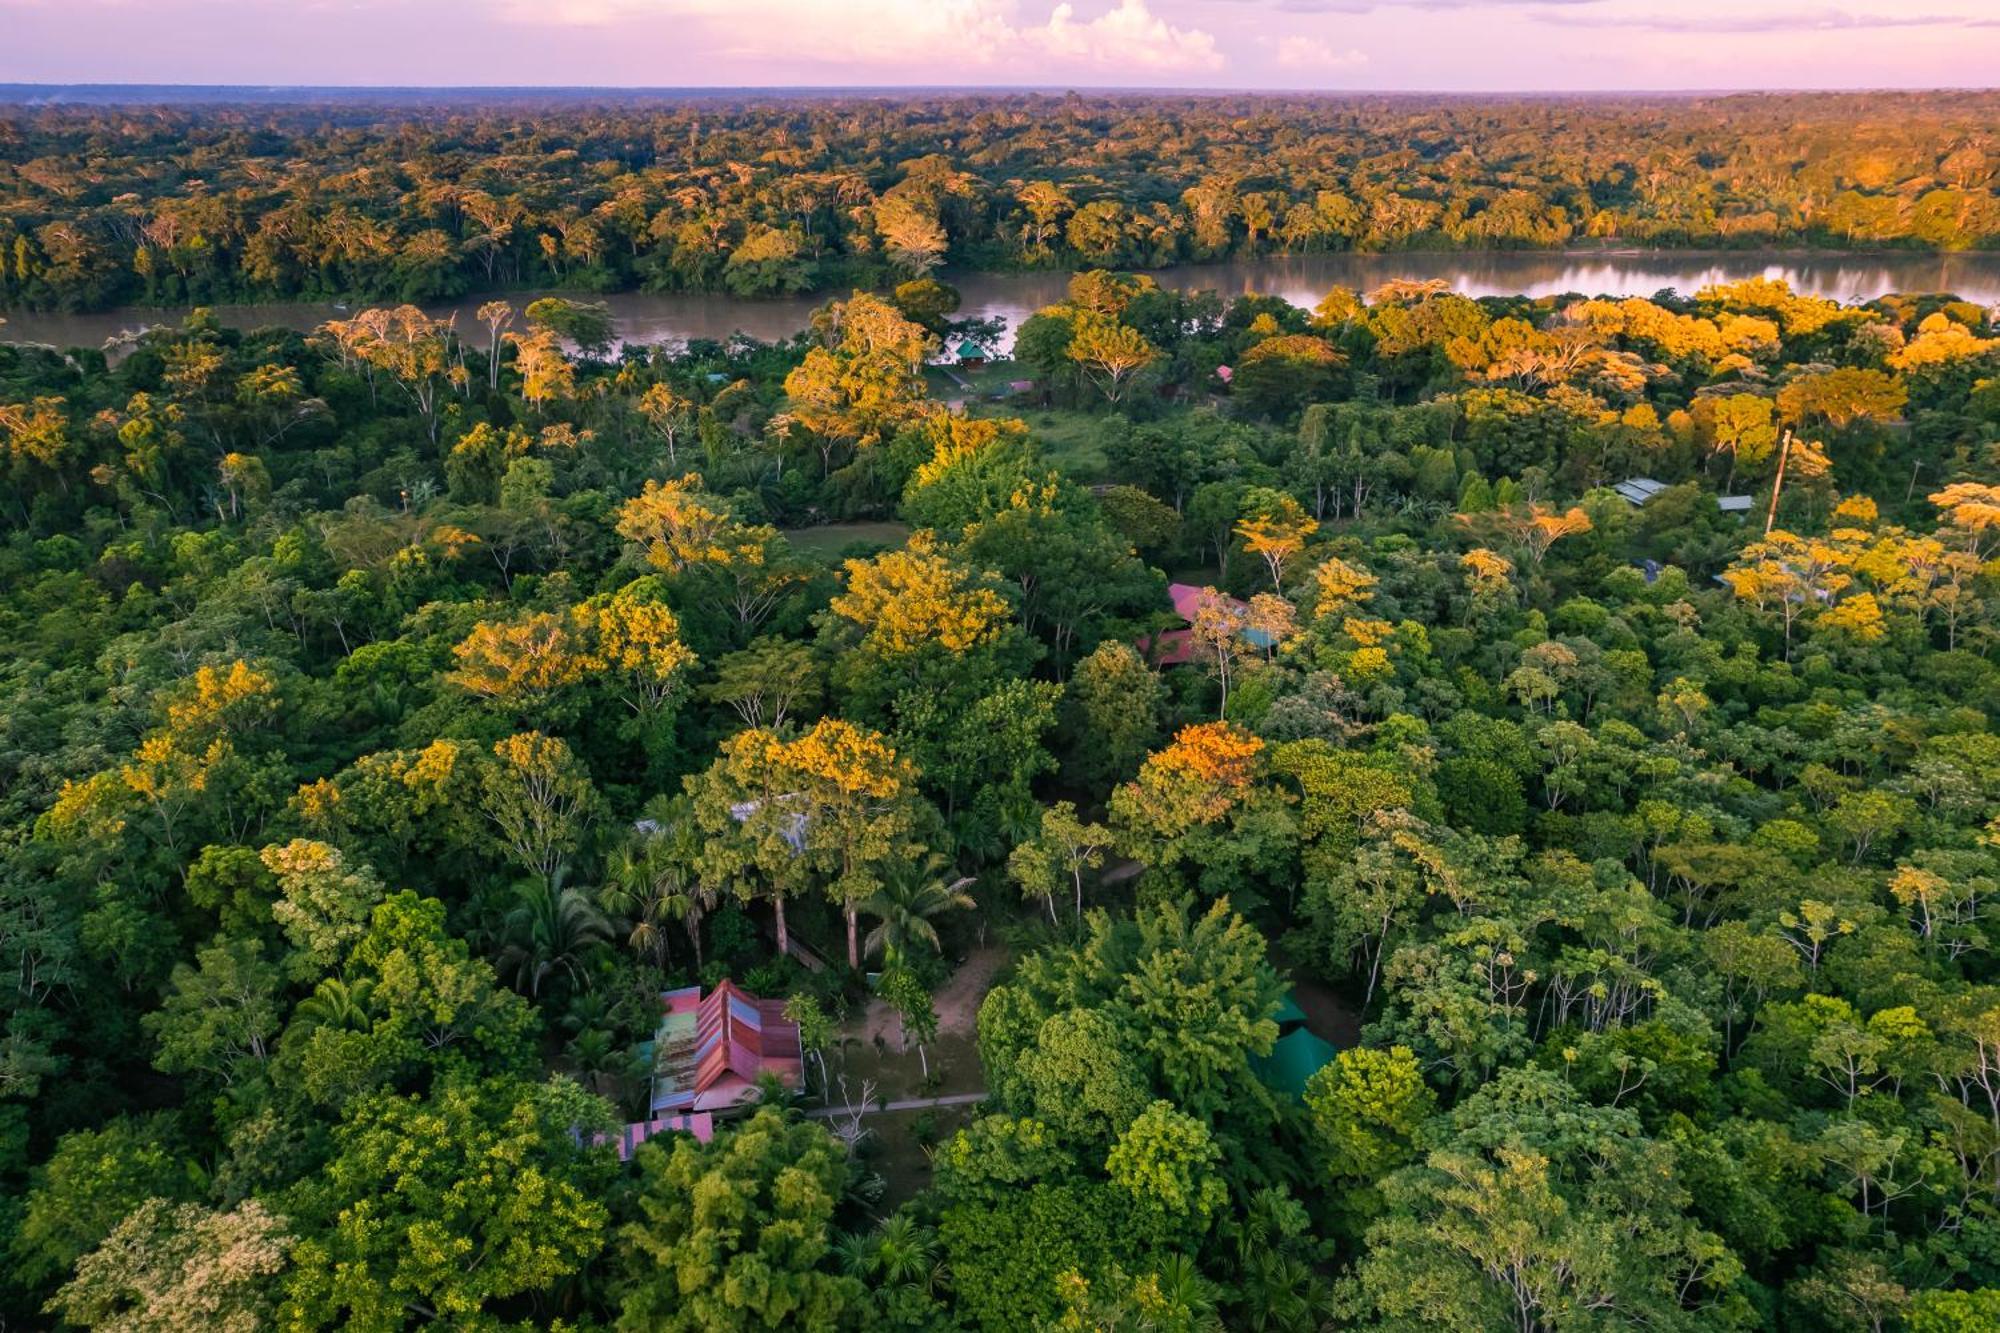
552 930
605 1065
905 908
648 883
900 1253
1189 1295
645 894
335 1003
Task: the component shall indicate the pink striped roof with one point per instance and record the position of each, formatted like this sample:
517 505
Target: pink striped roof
627 1140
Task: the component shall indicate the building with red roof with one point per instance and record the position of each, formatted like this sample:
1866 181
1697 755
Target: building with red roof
707 1056
1174 647
711 1049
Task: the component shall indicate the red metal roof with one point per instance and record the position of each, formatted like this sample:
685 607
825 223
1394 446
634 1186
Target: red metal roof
1176 646
737 1038
1186 598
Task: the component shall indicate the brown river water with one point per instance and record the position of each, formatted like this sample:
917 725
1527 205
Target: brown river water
648 317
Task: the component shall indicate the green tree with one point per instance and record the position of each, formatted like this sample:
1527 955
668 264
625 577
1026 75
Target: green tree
1535 1210
539 797
1165 1162
915 1013
418 1004
92 1182
1190 1001
323 904
1081 1080
586 324
1366 1109
1282 374
1111 715
1056 857
767 682
220 1012
441 1207
1017 1214
738 1233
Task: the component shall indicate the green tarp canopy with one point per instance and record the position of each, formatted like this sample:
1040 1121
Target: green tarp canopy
1296 1057
1289 1014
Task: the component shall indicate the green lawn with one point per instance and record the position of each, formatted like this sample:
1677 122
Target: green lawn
1068 439
993 377
828 540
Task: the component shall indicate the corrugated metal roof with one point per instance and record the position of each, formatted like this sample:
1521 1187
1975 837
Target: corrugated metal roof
1638 490
710 1049
627 1140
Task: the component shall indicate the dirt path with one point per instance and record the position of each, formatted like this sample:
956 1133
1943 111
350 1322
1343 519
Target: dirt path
957 1002
914 1104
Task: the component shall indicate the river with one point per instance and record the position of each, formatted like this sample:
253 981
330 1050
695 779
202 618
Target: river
645 317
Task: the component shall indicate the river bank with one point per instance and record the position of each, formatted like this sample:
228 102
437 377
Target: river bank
643 318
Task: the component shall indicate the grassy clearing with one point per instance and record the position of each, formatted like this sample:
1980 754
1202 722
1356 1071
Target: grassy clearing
900 1149
898 1146
1068 439
828 541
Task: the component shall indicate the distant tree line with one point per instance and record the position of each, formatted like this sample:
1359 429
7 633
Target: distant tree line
181 204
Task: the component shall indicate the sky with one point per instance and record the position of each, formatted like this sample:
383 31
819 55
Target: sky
1362 45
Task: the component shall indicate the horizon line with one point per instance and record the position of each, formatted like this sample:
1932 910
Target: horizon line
8 87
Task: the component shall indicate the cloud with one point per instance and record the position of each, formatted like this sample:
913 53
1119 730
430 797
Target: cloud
1311 54
1371 6
953 37
1813 20
1129 34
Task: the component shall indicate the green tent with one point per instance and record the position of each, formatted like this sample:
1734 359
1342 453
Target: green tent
1296 1057
1289 1014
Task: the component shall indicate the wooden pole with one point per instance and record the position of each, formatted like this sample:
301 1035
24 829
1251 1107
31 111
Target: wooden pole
1778 482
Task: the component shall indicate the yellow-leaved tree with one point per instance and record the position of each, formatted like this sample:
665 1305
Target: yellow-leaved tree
1340 588
906 599
1791 577
862 383
1207 771
1278 531
1534 528
1109 354
626 642
834 805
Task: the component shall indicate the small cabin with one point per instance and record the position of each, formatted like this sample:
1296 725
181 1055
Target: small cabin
971 355
1175 647
1296 1056
1639 491
707 1056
